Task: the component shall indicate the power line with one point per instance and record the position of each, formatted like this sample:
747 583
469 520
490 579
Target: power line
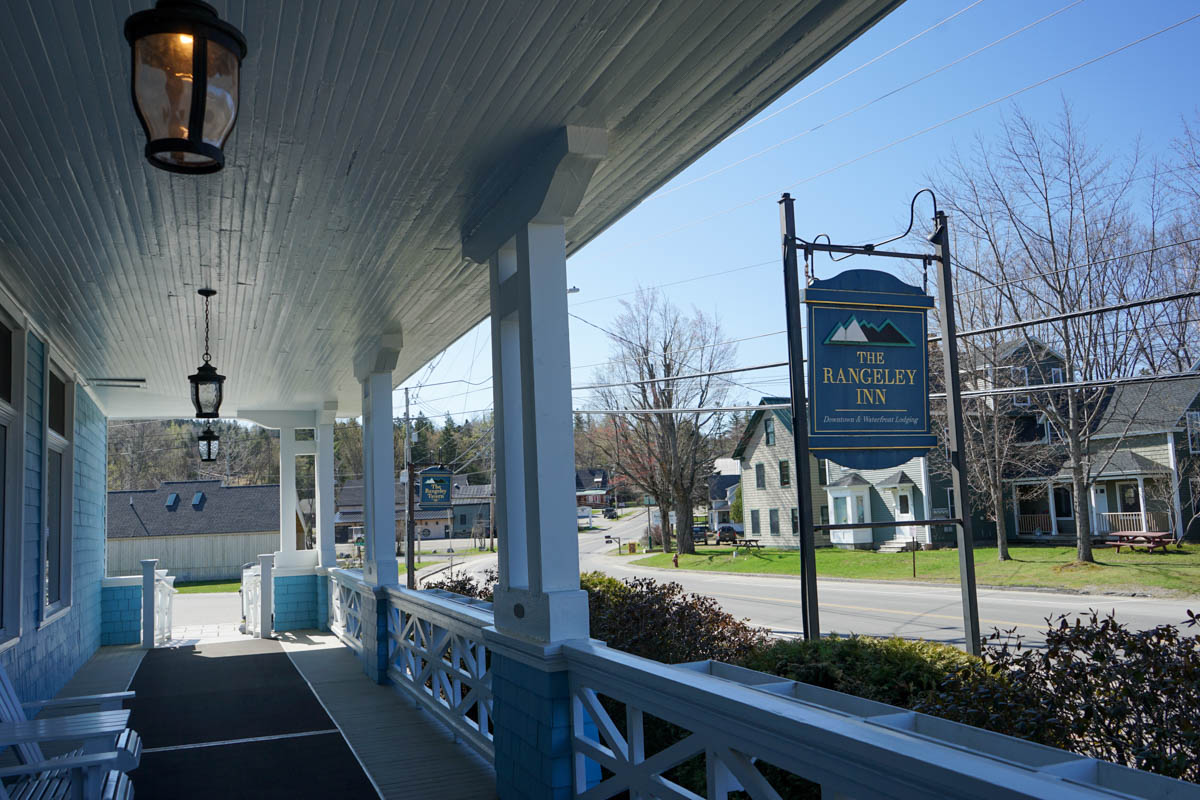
681 377
868 104
678 282
1098 262
921 132
857 69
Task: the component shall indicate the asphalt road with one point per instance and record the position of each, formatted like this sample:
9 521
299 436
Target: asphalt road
927 611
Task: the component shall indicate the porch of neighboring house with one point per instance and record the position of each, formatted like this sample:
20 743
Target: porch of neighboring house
1119 501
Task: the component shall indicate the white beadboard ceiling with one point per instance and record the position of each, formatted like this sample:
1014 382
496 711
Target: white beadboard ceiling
368 131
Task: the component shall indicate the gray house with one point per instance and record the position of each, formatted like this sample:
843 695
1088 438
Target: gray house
199 530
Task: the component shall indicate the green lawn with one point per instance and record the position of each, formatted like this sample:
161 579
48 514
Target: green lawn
198 587
1176 571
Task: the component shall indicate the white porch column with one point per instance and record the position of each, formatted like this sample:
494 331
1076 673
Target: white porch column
1142 501
373 368
1053 510
324 496
1016 510
148 598
1173 462
522 239
287 490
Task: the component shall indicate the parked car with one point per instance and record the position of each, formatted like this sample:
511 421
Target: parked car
726 535
700 534
610 513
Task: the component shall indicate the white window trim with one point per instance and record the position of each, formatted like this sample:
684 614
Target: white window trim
1192 421
1070 506
12 532
51 440
1056 374
778 522
1022 400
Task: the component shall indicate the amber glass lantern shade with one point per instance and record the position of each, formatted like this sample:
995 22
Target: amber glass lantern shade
209 444
186 64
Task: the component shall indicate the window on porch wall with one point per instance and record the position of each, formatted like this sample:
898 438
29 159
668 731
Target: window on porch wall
12 360
1064 507
57 483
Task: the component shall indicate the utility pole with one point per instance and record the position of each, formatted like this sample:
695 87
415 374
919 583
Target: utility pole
410 564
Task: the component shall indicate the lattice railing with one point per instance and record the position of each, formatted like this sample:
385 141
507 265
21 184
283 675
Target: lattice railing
707 730
345 607
436 655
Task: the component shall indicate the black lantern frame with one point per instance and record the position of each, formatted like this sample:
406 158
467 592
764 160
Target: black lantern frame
196 24
209 444
208 386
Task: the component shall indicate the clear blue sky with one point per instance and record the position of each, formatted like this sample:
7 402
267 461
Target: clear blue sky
694 227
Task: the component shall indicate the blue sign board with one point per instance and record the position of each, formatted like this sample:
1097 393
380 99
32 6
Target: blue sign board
434 483
868 367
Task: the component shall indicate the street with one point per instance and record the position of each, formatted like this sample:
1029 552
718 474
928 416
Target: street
925 611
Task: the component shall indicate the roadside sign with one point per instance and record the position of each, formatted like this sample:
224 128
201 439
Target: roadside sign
435 488
868 376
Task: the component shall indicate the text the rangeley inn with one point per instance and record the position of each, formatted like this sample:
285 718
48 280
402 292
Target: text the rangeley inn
870 378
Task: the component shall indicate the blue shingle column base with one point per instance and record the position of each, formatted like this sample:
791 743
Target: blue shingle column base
531 719
121 611
296 602
374 655
323 602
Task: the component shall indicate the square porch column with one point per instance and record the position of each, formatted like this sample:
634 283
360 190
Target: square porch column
379 482
288 501
326 557
1053 510
538 604
1141 480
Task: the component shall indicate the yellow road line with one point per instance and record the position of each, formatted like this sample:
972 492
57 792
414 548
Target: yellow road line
873 609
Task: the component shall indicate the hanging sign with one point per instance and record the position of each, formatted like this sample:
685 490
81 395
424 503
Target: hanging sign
435 488
868 370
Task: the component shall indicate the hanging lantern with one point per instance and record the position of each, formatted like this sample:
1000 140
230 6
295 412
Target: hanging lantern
186 63
209 443
207 385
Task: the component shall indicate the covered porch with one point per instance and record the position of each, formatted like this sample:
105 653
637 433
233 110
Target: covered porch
397 175
1129 493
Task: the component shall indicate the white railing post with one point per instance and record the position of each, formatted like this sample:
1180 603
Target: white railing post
148 598
266 606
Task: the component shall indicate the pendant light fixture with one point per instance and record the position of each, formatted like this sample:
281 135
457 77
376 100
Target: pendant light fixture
207 385
209 443
186 64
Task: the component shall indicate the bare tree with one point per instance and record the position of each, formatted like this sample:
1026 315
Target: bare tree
1050 228
655 348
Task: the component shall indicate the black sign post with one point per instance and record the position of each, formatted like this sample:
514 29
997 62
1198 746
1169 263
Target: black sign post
808 556
867 399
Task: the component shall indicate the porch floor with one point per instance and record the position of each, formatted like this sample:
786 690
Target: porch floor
294 717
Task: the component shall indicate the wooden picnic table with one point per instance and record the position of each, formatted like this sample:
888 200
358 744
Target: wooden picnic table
748 543
1147 539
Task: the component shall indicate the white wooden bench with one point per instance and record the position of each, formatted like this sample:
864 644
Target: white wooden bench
95 770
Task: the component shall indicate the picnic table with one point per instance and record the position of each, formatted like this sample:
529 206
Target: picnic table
1147 539
748 543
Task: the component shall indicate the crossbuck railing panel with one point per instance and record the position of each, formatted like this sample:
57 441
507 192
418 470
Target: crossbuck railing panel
345 607
736 720
436 656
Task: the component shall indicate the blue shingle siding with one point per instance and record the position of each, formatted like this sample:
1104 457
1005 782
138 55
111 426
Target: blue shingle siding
531 715
120 615
296 602
323 602
45 658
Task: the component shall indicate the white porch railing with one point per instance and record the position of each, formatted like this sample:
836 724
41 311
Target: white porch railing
438 658
1030 523
346 591
164 596
1131 521
158 594
251 586
737 719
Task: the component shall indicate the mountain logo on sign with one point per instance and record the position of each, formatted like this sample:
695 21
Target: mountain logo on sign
856 333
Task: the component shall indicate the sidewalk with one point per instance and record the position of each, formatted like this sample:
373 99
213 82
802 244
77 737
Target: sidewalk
205 617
